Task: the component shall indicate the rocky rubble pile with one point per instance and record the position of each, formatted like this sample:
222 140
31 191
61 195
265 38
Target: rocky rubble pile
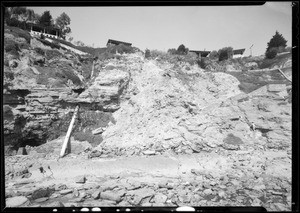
189 110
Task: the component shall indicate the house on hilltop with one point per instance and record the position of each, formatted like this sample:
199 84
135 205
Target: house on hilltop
238 53
112 42
50 32
200 53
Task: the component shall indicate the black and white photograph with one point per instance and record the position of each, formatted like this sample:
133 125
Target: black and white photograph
147 106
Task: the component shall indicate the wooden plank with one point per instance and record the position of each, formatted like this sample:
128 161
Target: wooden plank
67 138
284 75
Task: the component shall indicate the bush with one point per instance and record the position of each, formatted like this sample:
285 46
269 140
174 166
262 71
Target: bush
13 22
158 54
24 46
147 53
39 51
191 58
213 55
272 53
70 75
225 53
52 53
182 50
11 47
17 32
172 51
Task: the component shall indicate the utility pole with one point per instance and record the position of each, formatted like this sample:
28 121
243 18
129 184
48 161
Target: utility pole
251 50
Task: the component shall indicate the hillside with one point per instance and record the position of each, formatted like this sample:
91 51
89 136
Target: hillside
155 131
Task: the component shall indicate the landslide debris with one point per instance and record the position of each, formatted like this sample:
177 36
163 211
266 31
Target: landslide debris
166 107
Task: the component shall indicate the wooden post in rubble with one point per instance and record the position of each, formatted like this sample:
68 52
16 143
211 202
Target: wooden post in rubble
93 67
67 138
284 75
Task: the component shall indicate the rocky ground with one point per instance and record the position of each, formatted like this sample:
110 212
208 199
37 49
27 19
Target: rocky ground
149 133
246 177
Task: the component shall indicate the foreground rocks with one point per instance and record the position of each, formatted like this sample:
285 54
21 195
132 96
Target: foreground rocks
248 177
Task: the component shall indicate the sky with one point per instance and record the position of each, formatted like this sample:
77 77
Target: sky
197 27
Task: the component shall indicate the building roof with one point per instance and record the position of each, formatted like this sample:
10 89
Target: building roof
43 27
238 51
117 42
202 53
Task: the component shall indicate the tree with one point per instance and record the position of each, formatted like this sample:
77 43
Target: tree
63 22
46 19
277 41
213 55
172 51
225 53
271 53
147 53
182 50
16 12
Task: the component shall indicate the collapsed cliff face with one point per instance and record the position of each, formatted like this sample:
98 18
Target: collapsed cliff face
185 109
41 88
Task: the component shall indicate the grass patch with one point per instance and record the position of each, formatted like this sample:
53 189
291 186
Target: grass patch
17 32
278 60
12 47
52 54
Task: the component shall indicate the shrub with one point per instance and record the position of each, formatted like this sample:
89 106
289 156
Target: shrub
39 51
11 47
147 53
158 54
24 46
52 54
182 50
172 51
225 53
213 55
13 22
55 45
191 58
17 32
272 53
70 75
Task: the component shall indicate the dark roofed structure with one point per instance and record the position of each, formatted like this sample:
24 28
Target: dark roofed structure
238 51
200 53
50 30
115 42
